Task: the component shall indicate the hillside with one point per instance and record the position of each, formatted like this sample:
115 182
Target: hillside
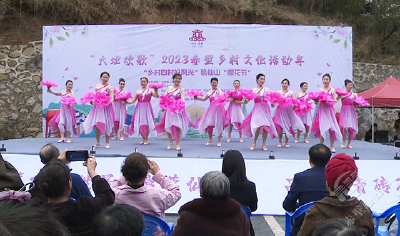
376 25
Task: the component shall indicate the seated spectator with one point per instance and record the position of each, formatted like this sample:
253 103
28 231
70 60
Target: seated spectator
336 227
50 152
368 135
241 189
396 127
130 188
214 213
340 174
21 219
78 215
309 185
119 220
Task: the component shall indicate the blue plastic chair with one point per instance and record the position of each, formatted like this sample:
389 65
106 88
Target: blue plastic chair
246 210
290 216
382 230
151 223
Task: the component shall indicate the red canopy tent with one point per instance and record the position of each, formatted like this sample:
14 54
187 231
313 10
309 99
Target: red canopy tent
386 94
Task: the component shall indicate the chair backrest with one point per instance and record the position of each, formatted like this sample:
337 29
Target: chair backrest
394 209
246 210
290 216
151 223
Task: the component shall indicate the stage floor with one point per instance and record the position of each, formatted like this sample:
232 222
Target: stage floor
196 148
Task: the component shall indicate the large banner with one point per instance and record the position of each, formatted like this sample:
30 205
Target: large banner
378 182
198 52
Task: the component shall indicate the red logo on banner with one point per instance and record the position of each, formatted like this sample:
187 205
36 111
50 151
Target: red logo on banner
197 36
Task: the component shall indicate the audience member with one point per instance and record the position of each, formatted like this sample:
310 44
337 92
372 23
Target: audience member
55 182
214 213
50 152
21 219
119 220
241 189
336 227
309 185
130 188
368 135
340 173
396 128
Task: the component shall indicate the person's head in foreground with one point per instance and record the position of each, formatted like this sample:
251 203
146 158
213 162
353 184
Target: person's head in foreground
120 219
233 167
214 185
319 155
20 219
340 174
336 227
135 168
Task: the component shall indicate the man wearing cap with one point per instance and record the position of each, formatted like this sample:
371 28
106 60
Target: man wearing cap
309 185
340 173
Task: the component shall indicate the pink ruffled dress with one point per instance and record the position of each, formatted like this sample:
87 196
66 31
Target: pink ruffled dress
325 121
171 121
260 116
120 113
285 118
143 116
64 119
234 114
213 118
100 117
348 116
305 118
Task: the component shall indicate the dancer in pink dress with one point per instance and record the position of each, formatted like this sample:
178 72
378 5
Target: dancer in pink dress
175 124
259 121
234 113
101 118
306 117
325 122
120 112
143 122
214 117
64 119
285 118
348 121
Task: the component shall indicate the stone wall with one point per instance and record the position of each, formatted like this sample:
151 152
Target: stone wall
20 91
366 76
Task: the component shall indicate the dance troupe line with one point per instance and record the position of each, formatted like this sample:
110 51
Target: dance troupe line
293 111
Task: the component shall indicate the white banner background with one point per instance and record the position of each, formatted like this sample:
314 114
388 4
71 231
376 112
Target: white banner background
228 52
378 184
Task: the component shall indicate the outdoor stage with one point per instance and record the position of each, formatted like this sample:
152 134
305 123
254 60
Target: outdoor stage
378 184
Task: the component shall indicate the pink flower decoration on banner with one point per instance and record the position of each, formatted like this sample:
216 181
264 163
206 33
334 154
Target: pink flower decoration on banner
319 74
68 100
193 93
328 64
74 29
75 78
324 33
87 97
341 31
48 83
66 69
55 29
156 85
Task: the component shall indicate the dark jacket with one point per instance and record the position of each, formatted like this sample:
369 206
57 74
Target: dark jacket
351 209
79 187
246 195
211 217
307 186
78 215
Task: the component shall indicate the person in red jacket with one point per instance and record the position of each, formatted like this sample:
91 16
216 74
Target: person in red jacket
214 213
